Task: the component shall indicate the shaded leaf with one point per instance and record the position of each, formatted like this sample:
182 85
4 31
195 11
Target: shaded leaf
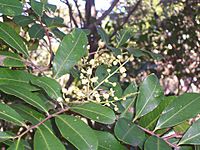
96 112
182 108
130 94
52 22
36 31
10 7
78 133
155 143
16 77
25 95
5 136
17 145
23 20
38 7
122 37
107 141
149 120
192 135
8 35
70 51
128 132
103 35
8 59
50 86
150 95
9 114
44 138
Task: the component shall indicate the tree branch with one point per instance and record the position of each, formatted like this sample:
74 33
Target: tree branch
79 12
106 13
42 122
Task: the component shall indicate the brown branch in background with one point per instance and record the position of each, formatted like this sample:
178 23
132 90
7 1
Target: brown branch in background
71 13
125 20
79 12
42 122
106 13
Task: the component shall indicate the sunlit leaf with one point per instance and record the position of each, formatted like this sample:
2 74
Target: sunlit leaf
70 51
96 112
10 7
17 145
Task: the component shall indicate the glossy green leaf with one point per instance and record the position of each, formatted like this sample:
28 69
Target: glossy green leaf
50 86
16 77
8 35
107 141
182 127
10 7
9 114
122 37
150 95
8 59
192 136
36 31
96 112
5 136
149 120
155 143
17 145
182 108
38 7
24 94
130 95
77 132
23 20
44 138
128 132
70 51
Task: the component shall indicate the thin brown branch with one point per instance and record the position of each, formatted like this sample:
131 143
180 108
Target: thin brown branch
106 13
125 20
42 122
71 13
79 12
176 147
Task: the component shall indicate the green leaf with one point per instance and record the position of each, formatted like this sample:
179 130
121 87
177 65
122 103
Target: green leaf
107 141
70 51
59 34
182 127
8 35
36 31
156 143
9 114
52 22
44 138
103 35
182 108
16 77
150 95
25 95
38 7
5 136
192 135
50 86
130 94
50 7
128 132
8 59
149 120
96 112
122 37
23 20
17 145
10 7
78 133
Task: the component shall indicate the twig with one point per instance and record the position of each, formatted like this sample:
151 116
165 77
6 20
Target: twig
106 13
176 147
79 12
42 122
